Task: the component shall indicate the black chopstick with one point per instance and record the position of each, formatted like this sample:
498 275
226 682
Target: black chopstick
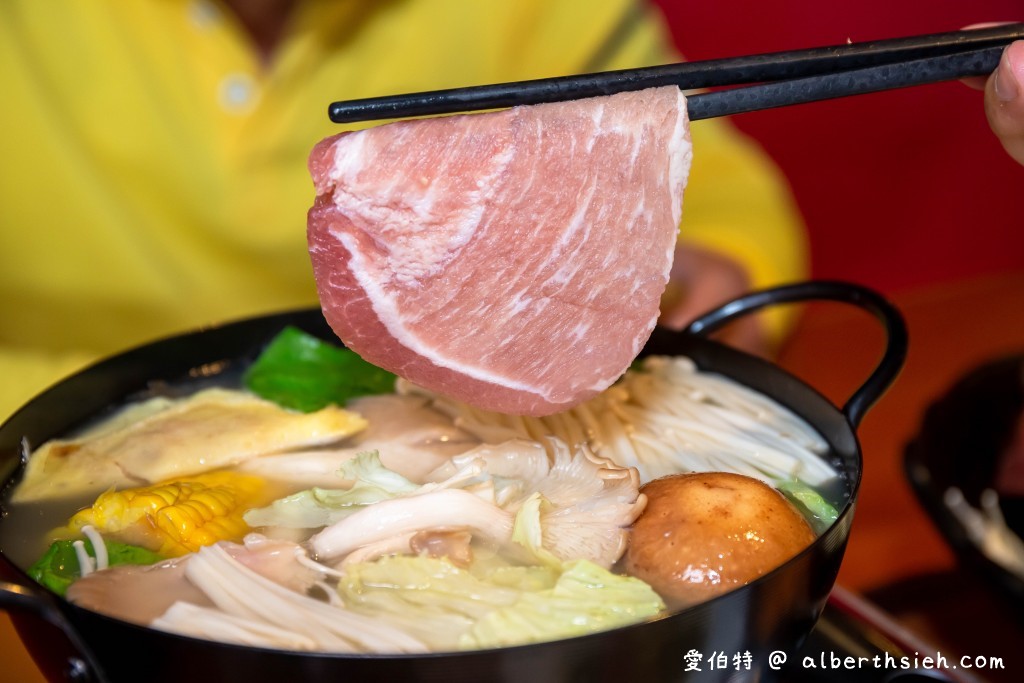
842 84
777 66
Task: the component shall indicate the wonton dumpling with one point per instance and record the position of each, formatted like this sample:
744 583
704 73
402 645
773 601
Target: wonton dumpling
213 428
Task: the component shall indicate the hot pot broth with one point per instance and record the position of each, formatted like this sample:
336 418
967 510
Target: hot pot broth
25 542
616 427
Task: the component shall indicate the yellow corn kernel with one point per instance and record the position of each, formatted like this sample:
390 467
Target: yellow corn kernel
176 517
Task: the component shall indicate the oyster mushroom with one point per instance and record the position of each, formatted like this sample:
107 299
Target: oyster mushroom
569 505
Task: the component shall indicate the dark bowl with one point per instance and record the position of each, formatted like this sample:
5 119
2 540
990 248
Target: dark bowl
771 614
963 437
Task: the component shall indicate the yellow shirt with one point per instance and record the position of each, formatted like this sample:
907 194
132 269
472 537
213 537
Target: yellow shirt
154 172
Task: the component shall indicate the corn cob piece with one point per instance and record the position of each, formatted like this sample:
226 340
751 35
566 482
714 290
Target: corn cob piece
176 517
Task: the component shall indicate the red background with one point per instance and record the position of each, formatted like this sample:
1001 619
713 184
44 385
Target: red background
899 189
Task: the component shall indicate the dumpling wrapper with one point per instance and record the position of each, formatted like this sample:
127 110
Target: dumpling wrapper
211 429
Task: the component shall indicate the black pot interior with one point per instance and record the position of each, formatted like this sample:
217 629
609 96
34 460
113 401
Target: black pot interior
773 613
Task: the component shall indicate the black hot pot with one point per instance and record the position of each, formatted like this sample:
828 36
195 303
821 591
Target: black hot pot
770 615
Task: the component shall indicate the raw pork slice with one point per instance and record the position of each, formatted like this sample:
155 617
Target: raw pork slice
514 260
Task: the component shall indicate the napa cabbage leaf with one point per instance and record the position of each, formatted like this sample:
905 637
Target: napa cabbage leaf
585 599
451 607
818 511
317 507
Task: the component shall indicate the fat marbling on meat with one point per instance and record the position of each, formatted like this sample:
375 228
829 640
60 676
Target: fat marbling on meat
514 260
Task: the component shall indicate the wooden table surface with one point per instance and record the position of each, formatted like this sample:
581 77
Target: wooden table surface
895 556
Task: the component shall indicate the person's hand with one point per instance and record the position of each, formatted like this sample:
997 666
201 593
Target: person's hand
1004 99
702 280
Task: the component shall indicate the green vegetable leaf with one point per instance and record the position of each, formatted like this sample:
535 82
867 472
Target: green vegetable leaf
58 568
821 514
301 372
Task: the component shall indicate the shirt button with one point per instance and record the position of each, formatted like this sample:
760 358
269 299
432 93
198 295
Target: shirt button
238 93
203 13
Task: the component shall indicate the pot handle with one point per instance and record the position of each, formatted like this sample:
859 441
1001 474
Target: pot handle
827 290
17 598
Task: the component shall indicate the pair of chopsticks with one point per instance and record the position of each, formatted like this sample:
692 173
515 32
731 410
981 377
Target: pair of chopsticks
781 78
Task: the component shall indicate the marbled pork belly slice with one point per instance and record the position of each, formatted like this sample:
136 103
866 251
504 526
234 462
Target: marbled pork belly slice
514 260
